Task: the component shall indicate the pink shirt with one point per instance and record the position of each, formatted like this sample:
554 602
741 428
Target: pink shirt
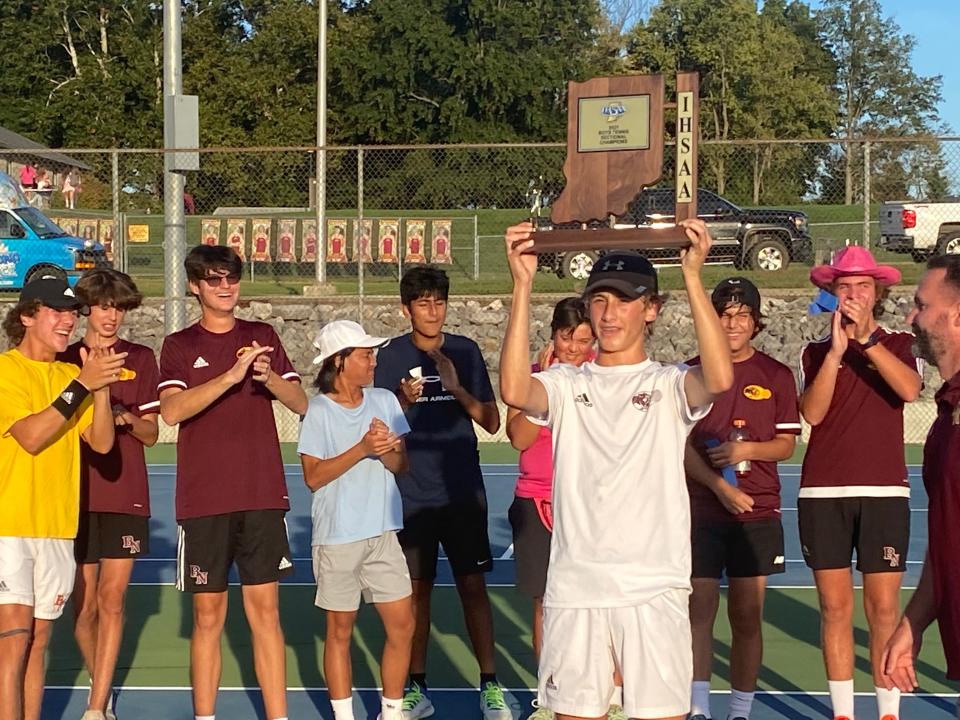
536 465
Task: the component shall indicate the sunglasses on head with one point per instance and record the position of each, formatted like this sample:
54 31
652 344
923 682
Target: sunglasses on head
215 281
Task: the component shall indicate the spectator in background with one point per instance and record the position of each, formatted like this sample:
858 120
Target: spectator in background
855 494
189 206
71 188
28 177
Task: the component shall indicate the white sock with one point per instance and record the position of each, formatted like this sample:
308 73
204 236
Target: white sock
888 702
700 698
740 704
391 709
204 717
841 697
617 697
342 709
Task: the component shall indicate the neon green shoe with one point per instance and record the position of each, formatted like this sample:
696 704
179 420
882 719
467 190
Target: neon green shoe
416 704
540 713
492 703
616 713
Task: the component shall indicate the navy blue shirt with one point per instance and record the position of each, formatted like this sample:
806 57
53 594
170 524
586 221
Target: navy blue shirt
441 445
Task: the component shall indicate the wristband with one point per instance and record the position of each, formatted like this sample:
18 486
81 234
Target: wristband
70 400
872 340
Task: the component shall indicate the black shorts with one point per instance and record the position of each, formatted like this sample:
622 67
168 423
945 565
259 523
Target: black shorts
460 527
207 546
111 536
741 549
531 547
877 527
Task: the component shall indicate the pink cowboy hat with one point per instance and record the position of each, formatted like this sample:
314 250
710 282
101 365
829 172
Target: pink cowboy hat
853 260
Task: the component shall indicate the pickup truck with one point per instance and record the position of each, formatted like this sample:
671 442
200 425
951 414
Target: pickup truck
758 239
31 244
921 229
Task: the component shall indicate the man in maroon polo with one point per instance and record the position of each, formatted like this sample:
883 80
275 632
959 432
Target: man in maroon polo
218 379
936 323
854 495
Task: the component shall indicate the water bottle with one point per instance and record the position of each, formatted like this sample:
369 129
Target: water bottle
739 434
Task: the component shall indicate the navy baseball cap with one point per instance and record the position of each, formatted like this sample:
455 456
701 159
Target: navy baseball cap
629 273
52 291
736 290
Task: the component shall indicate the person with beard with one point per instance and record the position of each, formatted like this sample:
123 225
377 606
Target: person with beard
935 319
855 494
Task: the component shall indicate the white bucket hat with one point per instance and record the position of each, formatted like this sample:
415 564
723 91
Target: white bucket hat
340 335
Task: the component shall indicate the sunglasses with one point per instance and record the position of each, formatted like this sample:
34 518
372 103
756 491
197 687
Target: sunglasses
215 281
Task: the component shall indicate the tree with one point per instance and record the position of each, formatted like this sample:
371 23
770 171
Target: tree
879 92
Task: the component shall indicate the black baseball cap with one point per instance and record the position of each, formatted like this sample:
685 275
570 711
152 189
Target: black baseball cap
54 292
629 273
736 290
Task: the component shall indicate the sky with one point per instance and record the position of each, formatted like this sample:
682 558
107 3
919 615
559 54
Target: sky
934 25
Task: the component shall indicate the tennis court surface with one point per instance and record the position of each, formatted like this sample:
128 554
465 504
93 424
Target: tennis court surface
153 677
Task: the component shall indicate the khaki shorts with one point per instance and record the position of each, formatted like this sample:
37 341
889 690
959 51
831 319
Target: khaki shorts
374 568
649 644
38 572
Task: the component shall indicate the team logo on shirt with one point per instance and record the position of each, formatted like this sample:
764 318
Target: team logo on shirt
131 543
644 399
891 556
199 576
3 587
59 602
757 392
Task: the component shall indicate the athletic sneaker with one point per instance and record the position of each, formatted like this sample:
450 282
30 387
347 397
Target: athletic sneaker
93 715
702 717
540 713
492 704
416 704
616 713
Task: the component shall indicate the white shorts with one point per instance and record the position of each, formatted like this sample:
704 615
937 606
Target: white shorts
375 569
649 644
38 572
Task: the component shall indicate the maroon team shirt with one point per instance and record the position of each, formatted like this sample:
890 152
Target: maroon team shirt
116 482
941 478
228 455
860 440
764 394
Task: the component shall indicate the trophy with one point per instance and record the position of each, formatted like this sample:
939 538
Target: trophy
615 141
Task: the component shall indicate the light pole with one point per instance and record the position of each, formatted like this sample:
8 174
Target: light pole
321 194
174 228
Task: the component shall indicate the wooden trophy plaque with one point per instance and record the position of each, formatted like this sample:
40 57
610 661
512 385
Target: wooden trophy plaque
615 142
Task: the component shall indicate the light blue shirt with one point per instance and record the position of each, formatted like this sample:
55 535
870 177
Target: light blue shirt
364 502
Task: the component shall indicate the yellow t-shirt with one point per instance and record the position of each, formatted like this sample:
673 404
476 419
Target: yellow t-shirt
39 494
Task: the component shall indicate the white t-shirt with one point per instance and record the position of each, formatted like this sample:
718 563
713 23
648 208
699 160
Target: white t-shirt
364 502
621 512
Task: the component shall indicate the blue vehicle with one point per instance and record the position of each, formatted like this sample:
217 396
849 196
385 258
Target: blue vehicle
32 245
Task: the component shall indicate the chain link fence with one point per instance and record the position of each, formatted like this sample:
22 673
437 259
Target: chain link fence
774 208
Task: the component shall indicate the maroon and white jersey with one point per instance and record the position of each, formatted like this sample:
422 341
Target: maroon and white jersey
228 455
941 478
857 449
116 482
764 394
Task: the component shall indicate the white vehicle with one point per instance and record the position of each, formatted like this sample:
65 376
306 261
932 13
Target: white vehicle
921 229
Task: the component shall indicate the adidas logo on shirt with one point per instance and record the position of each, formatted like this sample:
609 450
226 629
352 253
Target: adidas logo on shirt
3 587
200 362
284 564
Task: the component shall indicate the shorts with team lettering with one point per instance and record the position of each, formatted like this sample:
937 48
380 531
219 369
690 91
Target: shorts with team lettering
103 536
460 527
256 540
878 528
649 644
739 549
37 572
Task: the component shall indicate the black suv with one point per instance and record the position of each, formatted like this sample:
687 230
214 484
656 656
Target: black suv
758 239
